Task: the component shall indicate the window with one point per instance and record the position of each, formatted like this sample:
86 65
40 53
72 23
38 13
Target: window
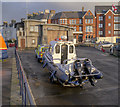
91 20
109 32
89 36
109 24
31 28
85 20
74 28
89 28
109 17
70 21
116 19
80 21
89 13
57 49
100 25
61 21
116 32
88 20
44 49
20 33
71 49
74 21
100 18
116 26
36 28
33 41
75 37
100 32
80 28
65 21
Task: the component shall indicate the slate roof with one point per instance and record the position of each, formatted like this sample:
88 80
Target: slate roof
104 9
41 16
69 14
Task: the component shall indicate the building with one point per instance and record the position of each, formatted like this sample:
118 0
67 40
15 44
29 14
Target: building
27 33
82 21
43 16
49 32
8 30
107 24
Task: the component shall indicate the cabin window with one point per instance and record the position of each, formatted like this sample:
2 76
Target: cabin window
50 49
71 49
57 49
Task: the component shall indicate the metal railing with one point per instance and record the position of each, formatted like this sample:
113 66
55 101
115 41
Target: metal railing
25 91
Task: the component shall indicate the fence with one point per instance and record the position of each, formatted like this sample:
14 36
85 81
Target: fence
25 91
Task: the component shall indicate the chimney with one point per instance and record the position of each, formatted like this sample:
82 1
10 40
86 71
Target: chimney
22 19
5 23
52 11
83 8
47 11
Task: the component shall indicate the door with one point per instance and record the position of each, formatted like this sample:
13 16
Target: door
64 53
22 44
80 38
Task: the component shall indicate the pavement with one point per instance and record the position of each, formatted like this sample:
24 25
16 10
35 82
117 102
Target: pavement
10 84
105 92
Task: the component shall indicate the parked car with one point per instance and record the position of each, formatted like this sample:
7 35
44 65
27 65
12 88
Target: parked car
106 45
12 45
39 51
115 50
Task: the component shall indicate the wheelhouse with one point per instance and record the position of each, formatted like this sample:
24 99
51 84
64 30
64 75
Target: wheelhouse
62 51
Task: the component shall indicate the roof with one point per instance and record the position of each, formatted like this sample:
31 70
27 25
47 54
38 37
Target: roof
2 44
60 42
104 9
55 25
42 16
69 14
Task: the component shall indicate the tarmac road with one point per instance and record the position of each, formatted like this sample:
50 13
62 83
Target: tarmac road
104 93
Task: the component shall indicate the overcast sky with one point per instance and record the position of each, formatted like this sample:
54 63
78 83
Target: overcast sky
18 10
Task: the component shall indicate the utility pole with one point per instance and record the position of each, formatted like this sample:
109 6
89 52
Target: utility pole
26 20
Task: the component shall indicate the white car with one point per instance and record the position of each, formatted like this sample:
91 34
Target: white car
106 45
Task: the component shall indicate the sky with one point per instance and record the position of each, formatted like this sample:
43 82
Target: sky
16 10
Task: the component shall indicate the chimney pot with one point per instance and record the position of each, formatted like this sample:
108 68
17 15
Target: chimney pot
83 8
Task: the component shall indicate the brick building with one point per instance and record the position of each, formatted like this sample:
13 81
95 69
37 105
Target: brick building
107 23
82 21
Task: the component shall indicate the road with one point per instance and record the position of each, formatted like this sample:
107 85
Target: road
104 93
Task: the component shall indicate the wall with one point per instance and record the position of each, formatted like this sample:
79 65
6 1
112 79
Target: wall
51 32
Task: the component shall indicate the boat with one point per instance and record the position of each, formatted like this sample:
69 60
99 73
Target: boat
65 67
